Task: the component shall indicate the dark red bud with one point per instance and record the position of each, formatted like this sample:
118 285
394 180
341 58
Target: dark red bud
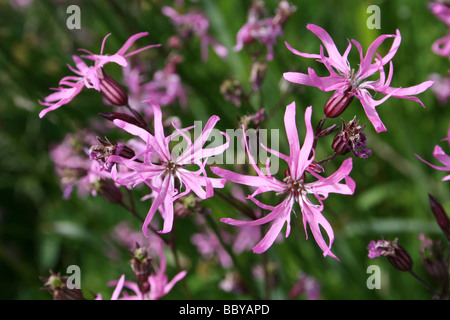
401 259
111 116
337 103
109 191
316 167
327 131
340 144
111 90
441 216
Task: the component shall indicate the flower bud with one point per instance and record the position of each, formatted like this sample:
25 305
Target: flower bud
101 152
111 90
324 132
441 216
109 191
338 102
141 265
316 167
57 286
340 144
232 91
433 257
351 138
111 116
396 255
400 259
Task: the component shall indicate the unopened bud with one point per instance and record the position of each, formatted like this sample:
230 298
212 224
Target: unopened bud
316 167
111 116
327 131
338 102
57 286
400 259
141 265
232 91
109 191
111 90
441 216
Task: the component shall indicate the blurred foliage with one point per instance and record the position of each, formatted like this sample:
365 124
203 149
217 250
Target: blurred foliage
40 231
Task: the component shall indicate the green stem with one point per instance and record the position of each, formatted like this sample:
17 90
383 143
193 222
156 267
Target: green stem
426 284
245 273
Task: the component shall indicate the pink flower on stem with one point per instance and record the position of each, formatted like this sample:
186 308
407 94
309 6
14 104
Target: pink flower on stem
89 76
441 156
442 45
160 167
348 83
294 187
195 23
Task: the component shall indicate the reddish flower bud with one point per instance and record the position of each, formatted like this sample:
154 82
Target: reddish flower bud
338 102
111 116
109 191
340 144
111 90
351 139
400 259
441 216
327 131
316 167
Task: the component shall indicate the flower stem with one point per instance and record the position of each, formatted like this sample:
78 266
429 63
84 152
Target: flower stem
241 207
328 159
243 272
426 284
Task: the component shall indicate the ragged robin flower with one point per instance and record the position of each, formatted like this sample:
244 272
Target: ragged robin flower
294 188
348 83
93 76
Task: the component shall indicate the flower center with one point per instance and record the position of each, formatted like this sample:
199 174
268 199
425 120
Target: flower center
171 167
353 80
295 187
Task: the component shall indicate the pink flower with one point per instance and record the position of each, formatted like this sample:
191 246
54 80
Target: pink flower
209 245
348 83
442 45
74 167
158 283
306 286
441 156
160 167
382 248
166 87
195 23
89 76
441 87
294 187
264 30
